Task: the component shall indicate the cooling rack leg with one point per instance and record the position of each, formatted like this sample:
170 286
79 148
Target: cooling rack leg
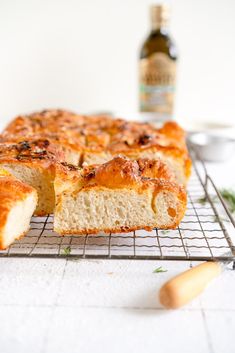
233 265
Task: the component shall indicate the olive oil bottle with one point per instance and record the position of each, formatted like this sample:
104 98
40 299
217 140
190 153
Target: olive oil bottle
157 67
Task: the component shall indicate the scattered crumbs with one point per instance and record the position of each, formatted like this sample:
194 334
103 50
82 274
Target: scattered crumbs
159 270
75 259
110 273
67 250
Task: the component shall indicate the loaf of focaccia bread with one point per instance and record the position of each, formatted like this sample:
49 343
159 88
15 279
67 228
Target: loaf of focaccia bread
17 204
118 196
35 162
92 139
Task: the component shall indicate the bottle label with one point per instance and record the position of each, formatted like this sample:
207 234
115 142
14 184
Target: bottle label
157 83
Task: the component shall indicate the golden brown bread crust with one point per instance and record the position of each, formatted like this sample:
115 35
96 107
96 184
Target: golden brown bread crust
31 150
111 230
40 154
11 192
155 169
46 121
103 135
123 172
120 173
54 146
116 173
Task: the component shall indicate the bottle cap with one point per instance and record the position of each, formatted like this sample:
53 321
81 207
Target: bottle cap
159 15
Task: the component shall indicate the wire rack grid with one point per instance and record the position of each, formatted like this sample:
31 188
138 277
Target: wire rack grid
205 233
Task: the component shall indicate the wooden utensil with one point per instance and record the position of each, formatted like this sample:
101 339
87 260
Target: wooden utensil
181 289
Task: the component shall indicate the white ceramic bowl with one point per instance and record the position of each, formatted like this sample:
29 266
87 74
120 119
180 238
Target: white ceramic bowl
211 147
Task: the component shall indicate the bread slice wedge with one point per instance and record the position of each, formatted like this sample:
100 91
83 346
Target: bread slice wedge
33 162
17 204
118 196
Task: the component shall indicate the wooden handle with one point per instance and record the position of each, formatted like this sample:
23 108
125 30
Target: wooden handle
183 288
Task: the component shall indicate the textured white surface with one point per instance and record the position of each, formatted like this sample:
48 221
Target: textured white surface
105 306
60 305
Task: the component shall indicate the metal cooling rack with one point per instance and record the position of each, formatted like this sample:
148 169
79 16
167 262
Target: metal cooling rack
205 233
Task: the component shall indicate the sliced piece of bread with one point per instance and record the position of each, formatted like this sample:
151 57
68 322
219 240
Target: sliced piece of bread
17 204
39 176
33 162
118 196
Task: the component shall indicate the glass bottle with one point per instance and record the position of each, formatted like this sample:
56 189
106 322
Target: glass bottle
157 67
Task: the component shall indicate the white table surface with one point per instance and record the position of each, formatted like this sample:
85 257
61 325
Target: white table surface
111 306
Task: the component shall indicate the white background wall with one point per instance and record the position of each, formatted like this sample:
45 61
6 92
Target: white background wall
82 55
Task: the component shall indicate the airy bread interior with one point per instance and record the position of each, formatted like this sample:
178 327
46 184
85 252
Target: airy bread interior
18 221
119 210
17 204
40 179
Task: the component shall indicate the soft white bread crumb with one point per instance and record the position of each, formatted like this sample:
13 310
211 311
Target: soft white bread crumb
18 220
40 179
116 210
17 204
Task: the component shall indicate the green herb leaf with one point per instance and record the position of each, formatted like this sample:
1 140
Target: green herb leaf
229 196
159 270
164 231
67 250
202 200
